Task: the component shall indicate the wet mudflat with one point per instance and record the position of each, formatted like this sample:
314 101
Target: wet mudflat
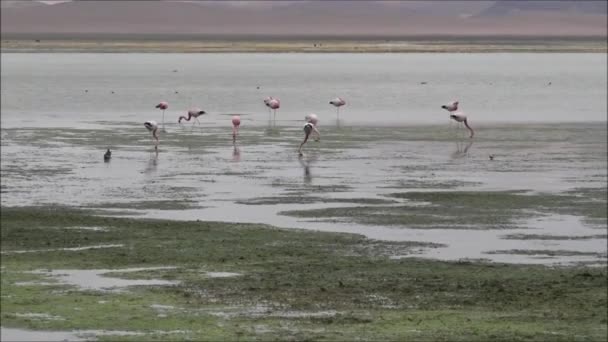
409 195
412 183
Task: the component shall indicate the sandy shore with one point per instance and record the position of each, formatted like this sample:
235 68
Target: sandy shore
304 46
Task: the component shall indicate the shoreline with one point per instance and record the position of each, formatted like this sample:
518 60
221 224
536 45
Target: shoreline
249 281
299 46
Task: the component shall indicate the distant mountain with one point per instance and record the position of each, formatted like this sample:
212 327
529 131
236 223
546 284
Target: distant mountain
354 18
510 7
20 4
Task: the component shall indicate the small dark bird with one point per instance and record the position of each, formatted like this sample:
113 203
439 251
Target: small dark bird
491 157
107 156
422 82
112 91
86 90
549 83
176 92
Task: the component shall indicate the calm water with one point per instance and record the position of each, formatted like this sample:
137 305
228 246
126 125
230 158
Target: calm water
54 135
49 89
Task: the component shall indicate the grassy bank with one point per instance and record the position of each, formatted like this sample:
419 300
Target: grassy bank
281 285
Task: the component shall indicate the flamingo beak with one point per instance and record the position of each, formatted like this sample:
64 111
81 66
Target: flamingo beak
444 107
202 112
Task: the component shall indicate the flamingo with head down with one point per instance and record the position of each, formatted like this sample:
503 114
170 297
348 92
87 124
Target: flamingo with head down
152 126
192 113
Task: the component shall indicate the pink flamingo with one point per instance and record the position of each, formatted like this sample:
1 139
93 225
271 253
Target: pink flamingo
461 118
274 104
337 102
309 127
152 126
312 118
192 113
267 104
163 105
451 107
236 123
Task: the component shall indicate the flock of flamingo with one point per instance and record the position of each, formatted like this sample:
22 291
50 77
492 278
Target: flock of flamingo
274 104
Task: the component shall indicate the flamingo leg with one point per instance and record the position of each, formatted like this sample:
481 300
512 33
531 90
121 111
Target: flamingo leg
164 120
269 117
275 118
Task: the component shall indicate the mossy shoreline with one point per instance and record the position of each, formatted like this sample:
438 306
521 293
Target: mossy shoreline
283 285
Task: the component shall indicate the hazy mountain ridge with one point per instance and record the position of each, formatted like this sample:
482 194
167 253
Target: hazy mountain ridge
308 17
505 7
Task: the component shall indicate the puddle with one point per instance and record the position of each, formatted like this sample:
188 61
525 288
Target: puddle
14 335
95 279
221 274
269 311
40 316
23 335
94 229
72 249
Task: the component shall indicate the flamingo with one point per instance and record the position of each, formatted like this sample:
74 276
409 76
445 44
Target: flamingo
267 104
152 126
451 107
337 102
192 113
308 128
312 118
274 104
461 118
163 105
236 122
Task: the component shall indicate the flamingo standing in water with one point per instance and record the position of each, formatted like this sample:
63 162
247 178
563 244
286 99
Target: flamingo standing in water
236 122
152 126
461 118
274 104
192 113
267 104
337 102
163 105
309 127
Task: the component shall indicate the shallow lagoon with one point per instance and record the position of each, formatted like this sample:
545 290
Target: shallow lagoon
61 111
